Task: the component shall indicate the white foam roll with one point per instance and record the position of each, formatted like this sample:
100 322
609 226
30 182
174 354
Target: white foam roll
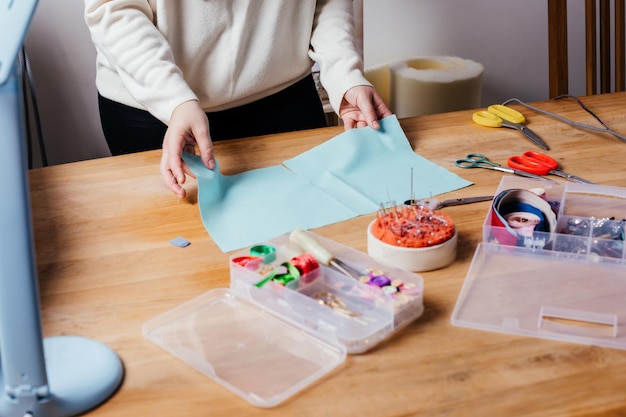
428 85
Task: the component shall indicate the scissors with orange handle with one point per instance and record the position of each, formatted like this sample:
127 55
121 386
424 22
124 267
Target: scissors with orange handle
477 160
541 164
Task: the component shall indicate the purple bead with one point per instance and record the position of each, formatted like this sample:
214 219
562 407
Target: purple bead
380 281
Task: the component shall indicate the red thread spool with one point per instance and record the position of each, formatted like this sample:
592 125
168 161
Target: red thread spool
306 263
250 262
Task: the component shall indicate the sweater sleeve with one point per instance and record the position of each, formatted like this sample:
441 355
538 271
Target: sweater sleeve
333 48
123 32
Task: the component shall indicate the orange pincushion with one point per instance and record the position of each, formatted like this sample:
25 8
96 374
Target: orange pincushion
413 227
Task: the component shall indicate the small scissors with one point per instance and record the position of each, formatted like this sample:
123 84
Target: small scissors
541 164
436 204
498 115
477 160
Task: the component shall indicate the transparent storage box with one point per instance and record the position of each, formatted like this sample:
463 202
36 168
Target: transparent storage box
590 219
265 341
565 284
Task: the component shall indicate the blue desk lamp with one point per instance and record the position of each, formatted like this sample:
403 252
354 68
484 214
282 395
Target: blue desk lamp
56 376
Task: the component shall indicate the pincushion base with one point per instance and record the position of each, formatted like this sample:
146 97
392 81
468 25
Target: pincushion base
412 259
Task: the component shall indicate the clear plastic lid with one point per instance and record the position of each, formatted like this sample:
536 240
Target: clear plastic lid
258 356
545 294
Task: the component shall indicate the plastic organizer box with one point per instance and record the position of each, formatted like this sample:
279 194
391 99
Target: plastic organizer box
359 316
590 219
567 283
266 341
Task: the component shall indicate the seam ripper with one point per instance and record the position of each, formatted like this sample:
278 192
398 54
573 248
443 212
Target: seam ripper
309 244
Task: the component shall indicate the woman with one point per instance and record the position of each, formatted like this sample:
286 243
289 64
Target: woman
180 74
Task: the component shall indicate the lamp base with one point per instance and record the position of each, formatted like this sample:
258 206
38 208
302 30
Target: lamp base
82 374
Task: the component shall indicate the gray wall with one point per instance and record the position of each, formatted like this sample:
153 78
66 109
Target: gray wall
508 37
63 64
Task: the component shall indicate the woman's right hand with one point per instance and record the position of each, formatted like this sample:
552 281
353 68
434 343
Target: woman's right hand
188 129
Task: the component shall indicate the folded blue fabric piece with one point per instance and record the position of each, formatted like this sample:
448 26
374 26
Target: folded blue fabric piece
347 176
254 206
363 168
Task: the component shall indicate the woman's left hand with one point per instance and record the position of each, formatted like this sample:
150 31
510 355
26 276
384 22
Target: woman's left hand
362 106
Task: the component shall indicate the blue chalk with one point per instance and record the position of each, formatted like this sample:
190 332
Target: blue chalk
180 242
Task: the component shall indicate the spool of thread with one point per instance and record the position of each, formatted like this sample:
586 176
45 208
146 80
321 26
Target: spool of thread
291 274
540 192
266 252
512 201
249 262
307 265
283 275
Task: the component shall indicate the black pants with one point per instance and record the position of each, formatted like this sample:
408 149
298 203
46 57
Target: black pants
298 107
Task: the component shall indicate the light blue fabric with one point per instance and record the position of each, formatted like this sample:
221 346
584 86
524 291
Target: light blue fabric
365 167
347 176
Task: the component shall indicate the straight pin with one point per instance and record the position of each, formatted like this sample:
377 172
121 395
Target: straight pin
412 191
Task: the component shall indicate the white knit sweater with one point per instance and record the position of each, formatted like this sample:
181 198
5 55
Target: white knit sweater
157 54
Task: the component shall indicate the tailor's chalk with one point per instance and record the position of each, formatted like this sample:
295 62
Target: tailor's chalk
180 242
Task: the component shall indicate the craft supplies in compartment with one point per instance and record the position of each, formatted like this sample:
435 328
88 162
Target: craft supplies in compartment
287 319
564 283
565 217
592 221
355 311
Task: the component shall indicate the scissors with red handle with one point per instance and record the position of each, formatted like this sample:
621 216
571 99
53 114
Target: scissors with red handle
541 164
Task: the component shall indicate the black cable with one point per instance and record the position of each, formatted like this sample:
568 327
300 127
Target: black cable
33 97
604 127
29 142
582 105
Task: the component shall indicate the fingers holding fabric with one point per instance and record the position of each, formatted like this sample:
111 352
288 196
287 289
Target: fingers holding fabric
362 106
188 129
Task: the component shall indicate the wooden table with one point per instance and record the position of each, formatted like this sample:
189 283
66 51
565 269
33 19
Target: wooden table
106 266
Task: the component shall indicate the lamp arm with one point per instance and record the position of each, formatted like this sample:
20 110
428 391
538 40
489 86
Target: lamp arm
55 377
21 347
